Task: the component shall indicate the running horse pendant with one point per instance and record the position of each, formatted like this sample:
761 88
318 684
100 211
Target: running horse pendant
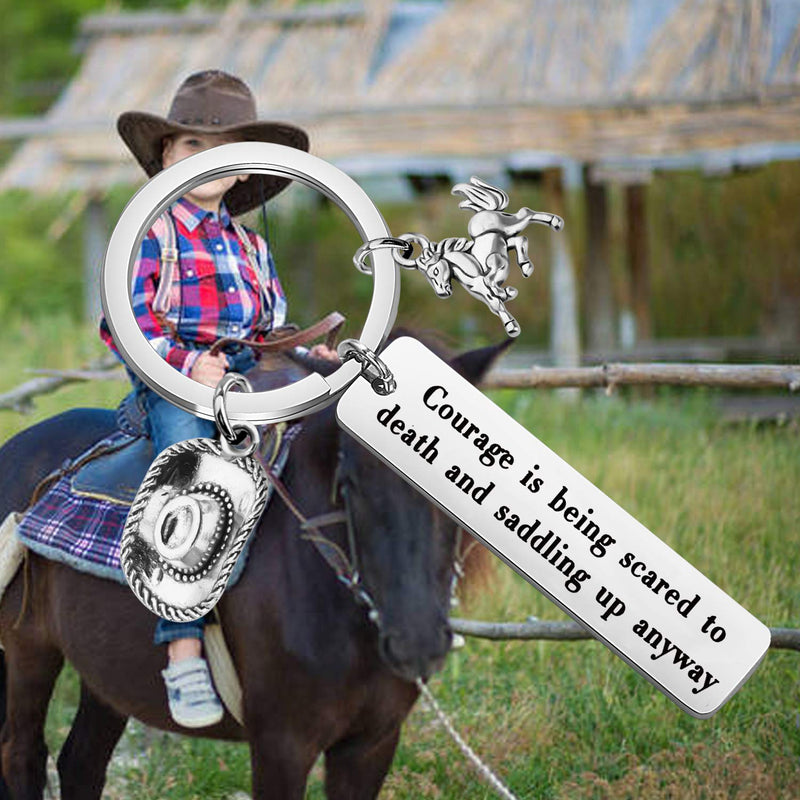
481 263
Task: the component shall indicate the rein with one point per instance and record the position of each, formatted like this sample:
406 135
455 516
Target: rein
289 336
344 567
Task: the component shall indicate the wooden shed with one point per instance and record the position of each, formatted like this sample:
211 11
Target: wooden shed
591 91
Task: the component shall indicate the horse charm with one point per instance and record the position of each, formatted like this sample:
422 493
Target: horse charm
480 263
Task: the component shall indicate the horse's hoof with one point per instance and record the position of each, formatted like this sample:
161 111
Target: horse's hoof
527 269
511 293
512 328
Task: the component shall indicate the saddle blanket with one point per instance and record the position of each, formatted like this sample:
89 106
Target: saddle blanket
84 530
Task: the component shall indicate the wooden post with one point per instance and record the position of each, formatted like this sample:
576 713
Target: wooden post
95 239
565 337
598 287
638 259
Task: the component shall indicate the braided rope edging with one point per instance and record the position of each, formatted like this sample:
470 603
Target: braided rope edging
144 593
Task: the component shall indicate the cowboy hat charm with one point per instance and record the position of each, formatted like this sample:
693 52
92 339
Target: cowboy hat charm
191 518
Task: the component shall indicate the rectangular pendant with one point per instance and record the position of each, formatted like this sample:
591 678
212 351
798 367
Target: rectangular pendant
555 528
188 525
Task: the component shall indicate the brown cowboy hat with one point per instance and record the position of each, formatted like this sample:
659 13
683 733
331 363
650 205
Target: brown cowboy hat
212 101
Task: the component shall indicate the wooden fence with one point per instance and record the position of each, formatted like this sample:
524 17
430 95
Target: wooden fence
729 376
782 638
745 376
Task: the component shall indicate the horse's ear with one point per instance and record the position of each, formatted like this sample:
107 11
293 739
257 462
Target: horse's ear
474 364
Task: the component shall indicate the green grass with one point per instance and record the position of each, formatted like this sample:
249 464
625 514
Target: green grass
55 343
556 720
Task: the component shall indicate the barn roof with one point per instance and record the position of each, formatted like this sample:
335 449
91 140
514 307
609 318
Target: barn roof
448 87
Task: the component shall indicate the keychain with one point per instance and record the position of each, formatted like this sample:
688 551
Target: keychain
445 437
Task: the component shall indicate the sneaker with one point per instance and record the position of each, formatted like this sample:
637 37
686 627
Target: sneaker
193 702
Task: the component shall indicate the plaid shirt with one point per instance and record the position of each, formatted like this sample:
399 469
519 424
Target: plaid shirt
215 292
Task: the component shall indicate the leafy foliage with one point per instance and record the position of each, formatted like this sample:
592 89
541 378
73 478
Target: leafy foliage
37 39
39 278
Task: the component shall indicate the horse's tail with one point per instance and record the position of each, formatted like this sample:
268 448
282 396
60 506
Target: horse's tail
480 196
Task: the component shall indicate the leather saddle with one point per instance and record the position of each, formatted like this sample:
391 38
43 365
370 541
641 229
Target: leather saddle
115 474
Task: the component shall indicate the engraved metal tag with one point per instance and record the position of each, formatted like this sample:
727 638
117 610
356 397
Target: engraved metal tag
556 529
187 526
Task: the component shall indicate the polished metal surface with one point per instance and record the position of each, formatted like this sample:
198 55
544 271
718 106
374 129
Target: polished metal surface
188 525
556 529
240 440
375 371
480 262
360 258
219 402
305 396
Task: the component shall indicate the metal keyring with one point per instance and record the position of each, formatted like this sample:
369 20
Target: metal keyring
277 405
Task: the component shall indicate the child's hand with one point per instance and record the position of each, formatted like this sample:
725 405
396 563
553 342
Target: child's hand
324 352
209 369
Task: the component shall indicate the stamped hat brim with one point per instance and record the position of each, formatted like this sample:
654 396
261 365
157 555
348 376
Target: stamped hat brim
144 133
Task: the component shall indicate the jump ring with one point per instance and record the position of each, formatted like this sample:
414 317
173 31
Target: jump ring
410 239
229 380
373 369
359 259
245 442
233 439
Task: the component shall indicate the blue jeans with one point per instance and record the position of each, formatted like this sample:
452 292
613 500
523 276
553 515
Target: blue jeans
168 631
166 425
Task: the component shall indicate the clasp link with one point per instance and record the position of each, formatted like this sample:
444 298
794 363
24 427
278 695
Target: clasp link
360 258
372 368
244 439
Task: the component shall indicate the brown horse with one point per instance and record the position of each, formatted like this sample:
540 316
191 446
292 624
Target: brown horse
317 675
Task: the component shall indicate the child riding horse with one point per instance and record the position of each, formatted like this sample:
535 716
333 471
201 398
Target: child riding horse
201 276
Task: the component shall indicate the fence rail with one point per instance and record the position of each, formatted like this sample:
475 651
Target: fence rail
20 398
730 376
608 376
782 638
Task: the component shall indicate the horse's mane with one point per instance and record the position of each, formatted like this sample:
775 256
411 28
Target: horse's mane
480 196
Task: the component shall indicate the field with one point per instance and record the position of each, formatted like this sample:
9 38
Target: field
556 720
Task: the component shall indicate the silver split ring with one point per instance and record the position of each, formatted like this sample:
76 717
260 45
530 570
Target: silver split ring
277 405
360 258
235 440
375 370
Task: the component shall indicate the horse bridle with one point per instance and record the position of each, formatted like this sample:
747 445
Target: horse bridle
344 566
